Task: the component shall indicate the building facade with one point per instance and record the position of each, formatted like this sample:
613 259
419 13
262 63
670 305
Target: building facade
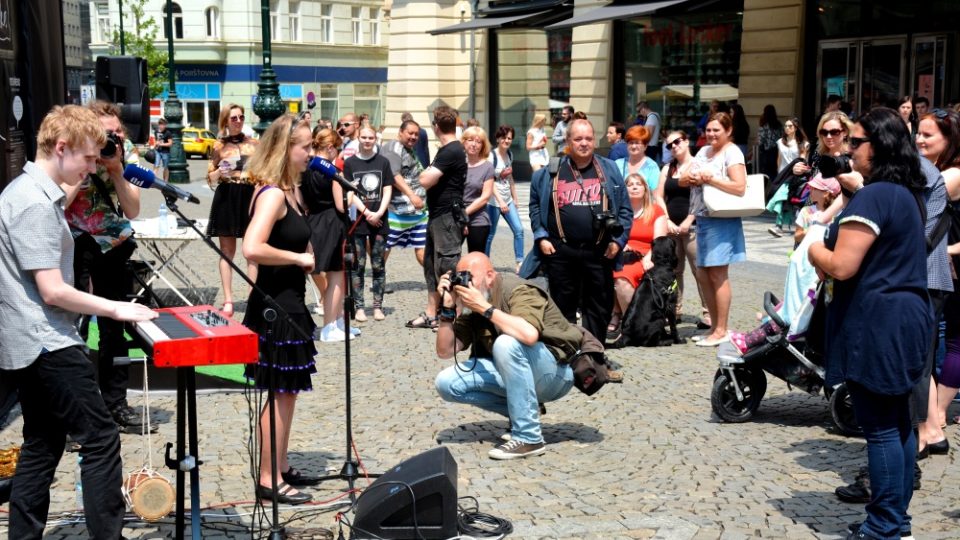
329 56
602 57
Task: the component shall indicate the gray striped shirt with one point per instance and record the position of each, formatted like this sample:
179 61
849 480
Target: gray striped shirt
33 236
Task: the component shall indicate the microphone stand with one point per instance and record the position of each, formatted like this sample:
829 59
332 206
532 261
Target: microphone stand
350 470
186 378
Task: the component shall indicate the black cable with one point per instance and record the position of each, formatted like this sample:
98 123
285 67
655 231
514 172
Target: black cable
477 524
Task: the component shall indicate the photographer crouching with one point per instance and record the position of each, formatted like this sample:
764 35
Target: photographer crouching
517 337
879 317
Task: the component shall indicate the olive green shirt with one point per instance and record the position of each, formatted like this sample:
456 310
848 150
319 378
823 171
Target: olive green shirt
531 303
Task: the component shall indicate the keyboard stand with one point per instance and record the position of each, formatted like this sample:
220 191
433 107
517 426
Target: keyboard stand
186 420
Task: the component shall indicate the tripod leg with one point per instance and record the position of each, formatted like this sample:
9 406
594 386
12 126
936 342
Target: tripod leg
181 493
195 452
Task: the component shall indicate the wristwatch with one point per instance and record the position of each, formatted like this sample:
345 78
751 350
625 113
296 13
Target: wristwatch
488 314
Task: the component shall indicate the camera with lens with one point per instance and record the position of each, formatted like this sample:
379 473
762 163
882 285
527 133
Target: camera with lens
831 166
114 143
462 278
606 225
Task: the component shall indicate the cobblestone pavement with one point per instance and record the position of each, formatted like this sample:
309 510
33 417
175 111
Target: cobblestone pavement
642 459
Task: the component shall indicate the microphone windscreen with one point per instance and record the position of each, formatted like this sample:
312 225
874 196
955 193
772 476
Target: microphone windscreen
139 176
323 167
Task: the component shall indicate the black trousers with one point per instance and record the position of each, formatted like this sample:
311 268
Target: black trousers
113 281
582 278
477 237
920 395
58 395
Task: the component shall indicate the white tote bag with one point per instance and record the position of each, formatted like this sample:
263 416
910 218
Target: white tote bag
721 204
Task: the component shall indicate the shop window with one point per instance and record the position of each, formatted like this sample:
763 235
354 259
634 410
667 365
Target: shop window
212 15
367 99
326 23
329 101
177 13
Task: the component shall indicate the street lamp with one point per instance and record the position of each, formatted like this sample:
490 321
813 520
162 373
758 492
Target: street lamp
268 106
173 110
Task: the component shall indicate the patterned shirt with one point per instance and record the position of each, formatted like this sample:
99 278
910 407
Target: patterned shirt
90 213
33 236
236 153
408 166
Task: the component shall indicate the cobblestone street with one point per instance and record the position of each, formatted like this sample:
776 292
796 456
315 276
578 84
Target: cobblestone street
642 459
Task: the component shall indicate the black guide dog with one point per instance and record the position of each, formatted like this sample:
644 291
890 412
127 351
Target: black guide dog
654 303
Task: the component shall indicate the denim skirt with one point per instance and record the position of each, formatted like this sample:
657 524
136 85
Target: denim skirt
720 241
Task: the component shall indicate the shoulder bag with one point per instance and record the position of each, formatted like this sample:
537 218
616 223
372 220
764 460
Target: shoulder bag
721 204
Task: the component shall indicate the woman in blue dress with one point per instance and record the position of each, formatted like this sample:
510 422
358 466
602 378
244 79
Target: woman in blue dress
879 318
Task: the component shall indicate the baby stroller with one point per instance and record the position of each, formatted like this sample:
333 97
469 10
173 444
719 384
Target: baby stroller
740 383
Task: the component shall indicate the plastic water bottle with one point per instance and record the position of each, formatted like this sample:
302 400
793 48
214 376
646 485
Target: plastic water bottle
78 485
163 224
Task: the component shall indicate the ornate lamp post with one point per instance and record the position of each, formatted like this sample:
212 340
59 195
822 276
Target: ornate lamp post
173 110
268 106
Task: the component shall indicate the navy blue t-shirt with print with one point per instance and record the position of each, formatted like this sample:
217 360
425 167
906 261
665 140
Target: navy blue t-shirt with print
879 321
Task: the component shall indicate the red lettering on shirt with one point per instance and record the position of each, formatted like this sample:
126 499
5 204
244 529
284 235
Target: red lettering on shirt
570 193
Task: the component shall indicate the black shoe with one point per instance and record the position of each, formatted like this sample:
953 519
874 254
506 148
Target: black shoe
923 454
859 491
854 528
298 479
283 494
702 325
543 409
130 420
939 448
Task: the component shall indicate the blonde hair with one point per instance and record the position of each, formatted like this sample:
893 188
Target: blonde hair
325 137
647 196
270 163
539 120
76 125
477 132
224 119
845 123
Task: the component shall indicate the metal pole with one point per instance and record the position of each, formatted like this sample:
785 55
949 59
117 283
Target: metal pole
173 110
123 39
268 106
473 64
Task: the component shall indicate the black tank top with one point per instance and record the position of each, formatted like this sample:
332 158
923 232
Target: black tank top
677 199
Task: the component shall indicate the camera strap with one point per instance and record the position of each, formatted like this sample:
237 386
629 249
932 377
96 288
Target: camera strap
578 178
104 193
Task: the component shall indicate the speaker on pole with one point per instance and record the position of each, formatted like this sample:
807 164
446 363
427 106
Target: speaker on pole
123 80
424 486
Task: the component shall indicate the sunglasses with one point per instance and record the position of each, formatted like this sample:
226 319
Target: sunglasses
240 118
296 123
347 124
855 142
831 132
675 142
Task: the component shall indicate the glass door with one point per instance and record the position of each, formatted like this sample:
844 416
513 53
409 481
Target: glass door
837 71
928 77
882 67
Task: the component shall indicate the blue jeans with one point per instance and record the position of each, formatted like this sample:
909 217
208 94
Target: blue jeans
891 454
510 384
513 220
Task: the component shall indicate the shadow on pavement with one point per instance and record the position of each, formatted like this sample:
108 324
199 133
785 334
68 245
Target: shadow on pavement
490 431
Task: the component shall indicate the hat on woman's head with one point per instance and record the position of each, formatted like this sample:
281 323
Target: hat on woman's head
830 185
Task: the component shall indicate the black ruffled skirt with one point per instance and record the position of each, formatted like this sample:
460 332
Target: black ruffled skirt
230 210
288 356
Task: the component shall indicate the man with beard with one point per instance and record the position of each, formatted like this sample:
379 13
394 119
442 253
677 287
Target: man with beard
518 338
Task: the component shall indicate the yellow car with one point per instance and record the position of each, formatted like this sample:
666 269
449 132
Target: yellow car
198 142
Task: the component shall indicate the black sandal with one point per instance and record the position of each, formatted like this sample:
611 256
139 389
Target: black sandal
297 479
422 321
283 494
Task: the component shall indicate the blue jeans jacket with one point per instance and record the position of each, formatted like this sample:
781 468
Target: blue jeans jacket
541 194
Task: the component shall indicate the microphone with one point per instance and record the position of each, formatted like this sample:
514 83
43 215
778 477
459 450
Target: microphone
143 177
328 170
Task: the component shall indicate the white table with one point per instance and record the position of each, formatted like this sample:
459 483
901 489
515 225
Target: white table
167 250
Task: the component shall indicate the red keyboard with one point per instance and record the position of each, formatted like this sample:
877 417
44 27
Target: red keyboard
197 336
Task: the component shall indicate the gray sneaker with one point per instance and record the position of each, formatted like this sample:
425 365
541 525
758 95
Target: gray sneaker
514 449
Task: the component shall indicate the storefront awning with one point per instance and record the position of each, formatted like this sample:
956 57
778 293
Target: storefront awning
612 12
484 23
719 92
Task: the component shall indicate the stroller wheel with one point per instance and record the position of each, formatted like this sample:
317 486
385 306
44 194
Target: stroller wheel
724 400
841 409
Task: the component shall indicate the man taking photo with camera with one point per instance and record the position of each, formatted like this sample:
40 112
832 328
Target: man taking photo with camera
518 338
581 217
104 242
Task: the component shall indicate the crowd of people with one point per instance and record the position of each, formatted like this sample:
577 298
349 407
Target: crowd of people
593 219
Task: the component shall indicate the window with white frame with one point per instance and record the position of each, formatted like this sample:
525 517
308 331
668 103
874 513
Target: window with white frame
329 102
177 21
326 23
103 22
294 20
356 18
275 20
375 15
367 99
213 22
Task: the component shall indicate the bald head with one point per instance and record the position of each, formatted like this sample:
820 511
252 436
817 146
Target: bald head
476 262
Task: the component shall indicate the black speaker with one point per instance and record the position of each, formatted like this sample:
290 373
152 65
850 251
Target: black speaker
123 80
386 508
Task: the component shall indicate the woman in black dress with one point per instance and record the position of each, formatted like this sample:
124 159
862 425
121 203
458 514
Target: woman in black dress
228 212
278 241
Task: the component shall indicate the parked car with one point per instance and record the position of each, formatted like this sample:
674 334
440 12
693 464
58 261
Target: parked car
198 142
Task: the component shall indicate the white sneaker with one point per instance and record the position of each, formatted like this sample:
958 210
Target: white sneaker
354 331
332 334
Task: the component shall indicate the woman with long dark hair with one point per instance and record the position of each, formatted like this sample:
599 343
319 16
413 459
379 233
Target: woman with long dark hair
878 308
741 128
771 130
909 117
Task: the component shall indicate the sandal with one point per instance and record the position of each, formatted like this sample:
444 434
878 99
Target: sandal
422 321
227 309
297 479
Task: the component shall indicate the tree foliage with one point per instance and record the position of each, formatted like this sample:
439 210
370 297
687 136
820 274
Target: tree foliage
140 39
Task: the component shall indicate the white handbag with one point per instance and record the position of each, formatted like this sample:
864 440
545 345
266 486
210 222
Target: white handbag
721 204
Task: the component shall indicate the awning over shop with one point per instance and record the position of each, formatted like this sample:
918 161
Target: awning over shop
720 92
614 11
484 23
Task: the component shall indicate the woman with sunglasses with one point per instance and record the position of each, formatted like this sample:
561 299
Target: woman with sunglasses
680 222
637 162
228 212
878 310
832 131
938 140
720 241
278 240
